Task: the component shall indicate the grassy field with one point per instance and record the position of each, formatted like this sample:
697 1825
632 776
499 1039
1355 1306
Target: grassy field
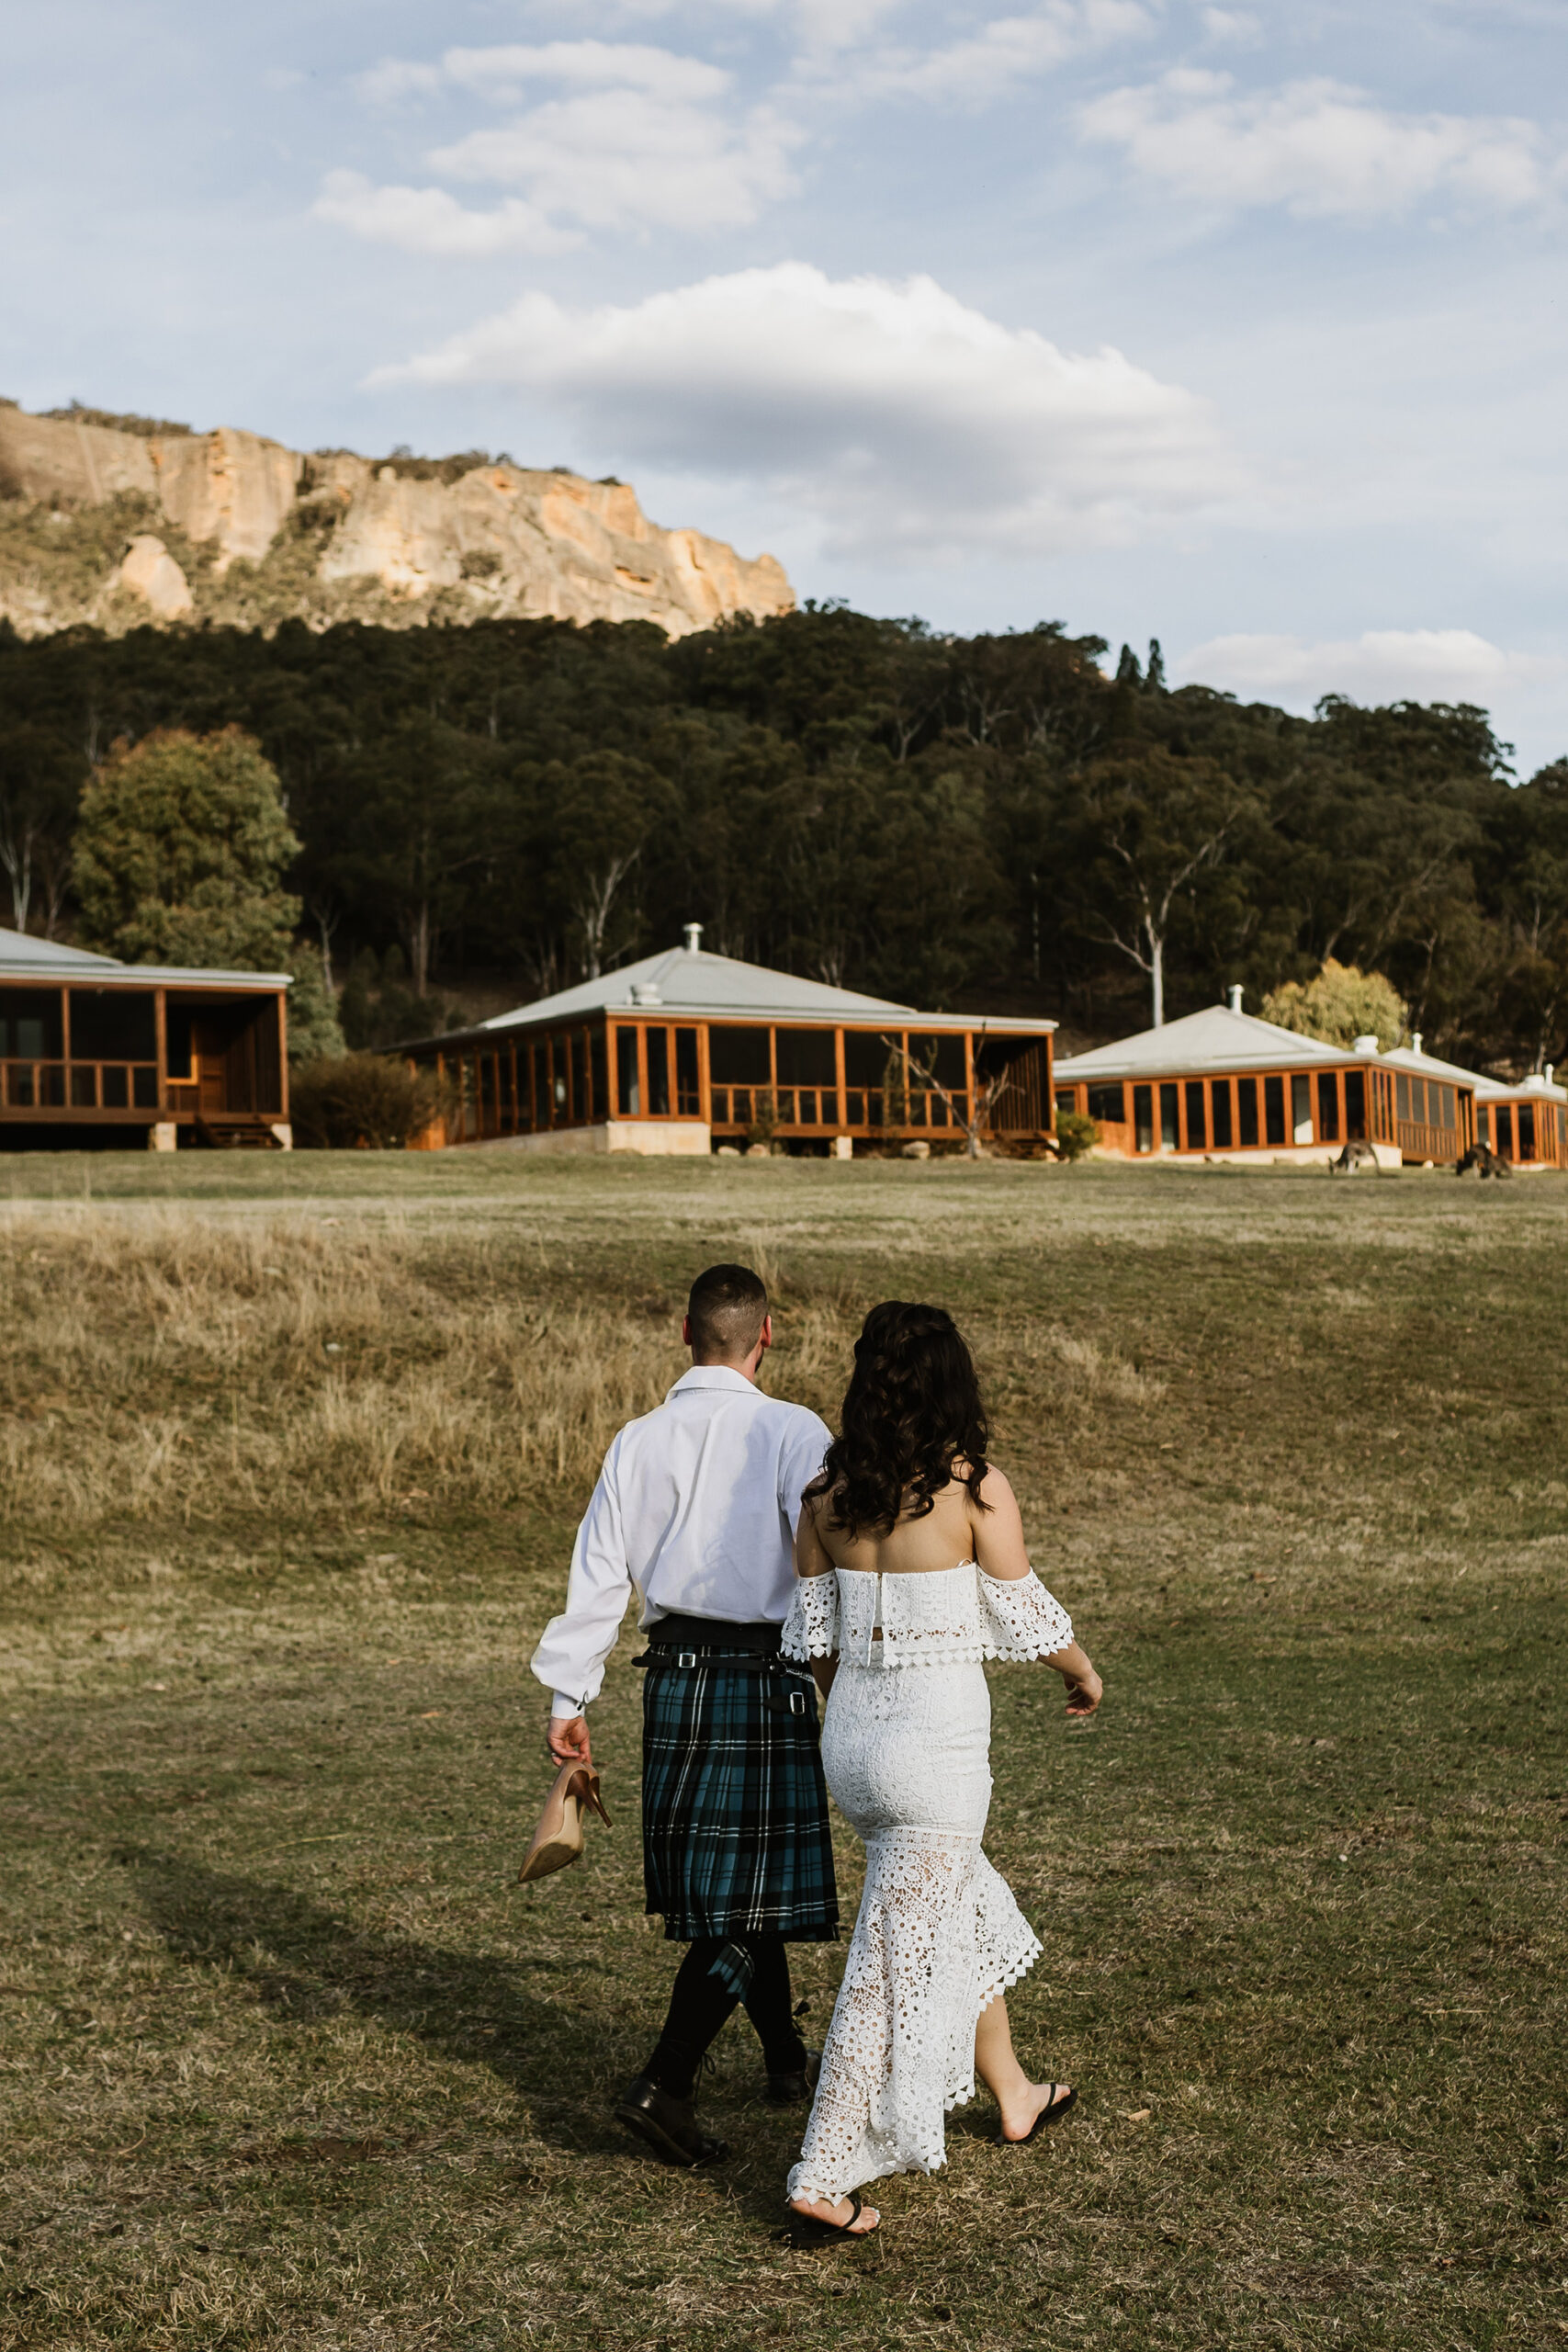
290 1455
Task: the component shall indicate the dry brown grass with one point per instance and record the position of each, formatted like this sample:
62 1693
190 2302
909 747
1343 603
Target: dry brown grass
172 1367
286 2061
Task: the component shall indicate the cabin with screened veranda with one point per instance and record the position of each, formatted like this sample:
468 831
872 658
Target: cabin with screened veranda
1221 1085
97 1053
1525 1125
691 1052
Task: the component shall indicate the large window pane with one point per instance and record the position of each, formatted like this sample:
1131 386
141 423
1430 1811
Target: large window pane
1301 1109
1197 1132
658 1072
1105 1103
628 1096
1328 1105
738 1056
1356 1105
809 1058
688 1083
942 1056
865 1057
1220 1106
113 1025
144 1088
1274 1110
116 1090
30 1025
1246 1100
1169 1131
598 1068
579 1077
1143 1118
1527 1130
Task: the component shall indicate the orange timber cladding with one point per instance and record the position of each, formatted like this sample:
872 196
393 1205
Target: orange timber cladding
799 1082
1427 1118
1529 1131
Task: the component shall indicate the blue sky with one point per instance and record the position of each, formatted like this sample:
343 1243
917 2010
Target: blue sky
1241 326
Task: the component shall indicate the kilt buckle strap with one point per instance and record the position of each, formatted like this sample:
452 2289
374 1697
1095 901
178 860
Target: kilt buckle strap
685 1658
798 1702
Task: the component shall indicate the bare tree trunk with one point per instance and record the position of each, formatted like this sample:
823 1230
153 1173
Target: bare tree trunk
326 918
594 905
1157 972
17 857
419 947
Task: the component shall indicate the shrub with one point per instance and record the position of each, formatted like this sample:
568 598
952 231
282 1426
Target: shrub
1340 1005
1075 1134
364 1102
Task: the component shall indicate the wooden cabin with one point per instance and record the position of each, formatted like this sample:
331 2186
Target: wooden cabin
1526 1124
1221 1085
98 1053
691 1052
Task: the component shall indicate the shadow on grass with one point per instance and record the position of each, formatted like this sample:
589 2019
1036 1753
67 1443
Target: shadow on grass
306 1963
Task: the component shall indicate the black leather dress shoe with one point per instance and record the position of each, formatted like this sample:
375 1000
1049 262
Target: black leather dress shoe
668 2125
791 2090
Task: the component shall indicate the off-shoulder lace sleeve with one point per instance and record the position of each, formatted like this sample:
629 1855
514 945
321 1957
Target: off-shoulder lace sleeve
1020 1618
811 1629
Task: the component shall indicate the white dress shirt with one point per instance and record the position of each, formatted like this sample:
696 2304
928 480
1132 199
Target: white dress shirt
695 1511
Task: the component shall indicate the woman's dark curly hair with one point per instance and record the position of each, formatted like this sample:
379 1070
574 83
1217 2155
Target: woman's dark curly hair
912 1408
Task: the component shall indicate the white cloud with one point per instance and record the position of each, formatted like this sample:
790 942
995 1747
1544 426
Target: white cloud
1381 665
621 157
429 220
1238 25
639 139
1003 56
902 421
504 72
1317 148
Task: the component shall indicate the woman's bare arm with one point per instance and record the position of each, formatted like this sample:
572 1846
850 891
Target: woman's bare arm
1000 1549
812 1558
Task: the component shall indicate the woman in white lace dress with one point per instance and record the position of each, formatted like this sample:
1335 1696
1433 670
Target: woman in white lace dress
912 1569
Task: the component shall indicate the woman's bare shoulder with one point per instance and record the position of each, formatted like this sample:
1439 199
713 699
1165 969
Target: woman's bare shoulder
995 1487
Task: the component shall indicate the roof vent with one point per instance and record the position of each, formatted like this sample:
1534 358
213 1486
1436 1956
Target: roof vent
1233 996
1414 1041
1550 1072
692 933
645 992
1369 1045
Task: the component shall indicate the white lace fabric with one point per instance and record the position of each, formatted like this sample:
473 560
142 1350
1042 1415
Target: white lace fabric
945 1618
906 1751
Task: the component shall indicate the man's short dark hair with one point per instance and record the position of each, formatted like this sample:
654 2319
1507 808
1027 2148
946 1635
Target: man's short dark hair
728 1308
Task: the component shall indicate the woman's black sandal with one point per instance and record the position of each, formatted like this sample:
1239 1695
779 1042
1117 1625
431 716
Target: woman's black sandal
1047 2114
807 2230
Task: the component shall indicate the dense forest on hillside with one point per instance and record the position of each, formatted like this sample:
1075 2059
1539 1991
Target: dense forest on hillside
980 822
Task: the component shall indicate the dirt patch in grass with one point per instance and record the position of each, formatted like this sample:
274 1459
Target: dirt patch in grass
288 1476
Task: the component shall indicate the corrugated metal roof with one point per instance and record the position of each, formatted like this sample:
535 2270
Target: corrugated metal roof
1423 1065
24 957
691 980
1214 1039
1533 1088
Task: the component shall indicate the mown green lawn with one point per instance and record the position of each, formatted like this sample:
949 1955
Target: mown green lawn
288 2061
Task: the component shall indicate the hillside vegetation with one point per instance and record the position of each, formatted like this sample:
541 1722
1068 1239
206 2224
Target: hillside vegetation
988 823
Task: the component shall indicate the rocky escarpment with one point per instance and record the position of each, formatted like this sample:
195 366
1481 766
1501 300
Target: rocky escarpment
112 526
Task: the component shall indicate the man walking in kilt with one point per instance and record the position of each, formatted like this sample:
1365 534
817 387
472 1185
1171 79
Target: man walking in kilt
695 1511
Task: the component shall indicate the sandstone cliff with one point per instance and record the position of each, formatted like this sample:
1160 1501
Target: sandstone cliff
115 527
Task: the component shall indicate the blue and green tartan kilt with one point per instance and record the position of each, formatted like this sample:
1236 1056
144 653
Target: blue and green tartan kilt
735 1835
